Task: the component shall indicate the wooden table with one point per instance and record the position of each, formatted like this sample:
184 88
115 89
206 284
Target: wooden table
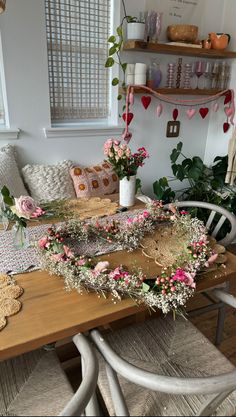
49 313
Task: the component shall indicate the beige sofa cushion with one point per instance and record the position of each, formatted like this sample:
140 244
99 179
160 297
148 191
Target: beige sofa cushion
9 172
49 182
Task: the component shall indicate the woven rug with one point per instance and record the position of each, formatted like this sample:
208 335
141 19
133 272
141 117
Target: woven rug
16 261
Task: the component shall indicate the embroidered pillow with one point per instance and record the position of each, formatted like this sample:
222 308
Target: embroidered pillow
94 181
9 172
49 182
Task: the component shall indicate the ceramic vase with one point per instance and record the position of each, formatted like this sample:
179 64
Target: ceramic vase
127 191
135 31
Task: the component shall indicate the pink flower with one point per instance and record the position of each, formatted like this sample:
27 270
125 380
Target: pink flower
185 277
58 257
146 214
24 207
101 267
43 242
81 262
172 208
68 252
213 258
38 213
117 142
120 153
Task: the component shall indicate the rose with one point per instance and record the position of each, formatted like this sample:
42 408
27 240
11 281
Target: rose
24 207
43 242
101 267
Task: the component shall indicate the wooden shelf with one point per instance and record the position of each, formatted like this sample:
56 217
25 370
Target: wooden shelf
161 48
180 91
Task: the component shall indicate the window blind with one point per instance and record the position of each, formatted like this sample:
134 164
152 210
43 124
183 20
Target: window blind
77 33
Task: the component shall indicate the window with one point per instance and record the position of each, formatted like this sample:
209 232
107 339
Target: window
77 33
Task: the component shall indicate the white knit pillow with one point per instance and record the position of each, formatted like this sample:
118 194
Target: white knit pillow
49 182
9 172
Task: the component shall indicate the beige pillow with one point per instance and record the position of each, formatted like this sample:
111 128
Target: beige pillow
9 172
49 182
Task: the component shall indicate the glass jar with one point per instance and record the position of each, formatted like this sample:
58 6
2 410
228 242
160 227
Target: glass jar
20 236
154 75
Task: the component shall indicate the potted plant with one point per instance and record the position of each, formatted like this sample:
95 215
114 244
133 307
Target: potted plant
135 27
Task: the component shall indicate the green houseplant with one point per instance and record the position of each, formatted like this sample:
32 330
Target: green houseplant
116 42
201 183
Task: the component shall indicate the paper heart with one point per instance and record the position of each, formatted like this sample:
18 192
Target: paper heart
127 136
216 107
175 114
191 113
146 101
131 99
228 111
226 127
159 110
228 97
204 112
130 117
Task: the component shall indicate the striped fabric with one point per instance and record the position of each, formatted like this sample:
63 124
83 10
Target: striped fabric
33 385
171 348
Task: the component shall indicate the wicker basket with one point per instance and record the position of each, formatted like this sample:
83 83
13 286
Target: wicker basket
182 33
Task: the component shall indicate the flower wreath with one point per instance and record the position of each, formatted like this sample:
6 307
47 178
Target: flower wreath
168 291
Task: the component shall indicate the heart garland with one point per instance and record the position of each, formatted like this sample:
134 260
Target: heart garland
146 101
175 114
226 127
204 112
191 113
159 110
129 117
228 97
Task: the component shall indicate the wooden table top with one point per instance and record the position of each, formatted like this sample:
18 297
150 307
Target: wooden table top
49 313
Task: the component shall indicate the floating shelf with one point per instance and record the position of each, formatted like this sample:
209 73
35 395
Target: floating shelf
180 91
161 48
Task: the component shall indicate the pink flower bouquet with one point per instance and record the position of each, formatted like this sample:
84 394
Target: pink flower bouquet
124 163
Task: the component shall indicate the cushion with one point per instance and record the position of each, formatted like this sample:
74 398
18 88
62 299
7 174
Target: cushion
165 347
94 181
9 172
49 182
33 385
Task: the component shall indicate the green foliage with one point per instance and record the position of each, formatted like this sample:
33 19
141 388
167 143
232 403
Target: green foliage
203 183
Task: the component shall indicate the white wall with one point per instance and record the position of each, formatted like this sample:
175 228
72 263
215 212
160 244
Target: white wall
22 29
217 141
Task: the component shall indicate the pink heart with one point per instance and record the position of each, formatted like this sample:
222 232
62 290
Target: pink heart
216 107
175 114
204 112
159 110
228 111
146 101
191 113
226 127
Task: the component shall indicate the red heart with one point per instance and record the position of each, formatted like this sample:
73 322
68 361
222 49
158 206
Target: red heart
228 97
146 101
204 112
226 127
130 117
175 114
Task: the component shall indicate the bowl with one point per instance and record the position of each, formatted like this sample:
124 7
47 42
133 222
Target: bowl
182 33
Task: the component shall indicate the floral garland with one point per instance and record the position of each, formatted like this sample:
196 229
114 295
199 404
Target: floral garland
168 291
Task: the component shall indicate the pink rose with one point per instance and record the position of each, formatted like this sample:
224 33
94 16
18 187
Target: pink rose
101 267
185 277
81 262
43 242
38 213
59 257
213 258
68 252
25 206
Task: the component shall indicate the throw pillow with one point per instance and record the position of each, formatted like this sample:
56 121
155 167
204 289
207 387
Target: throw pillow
9 172
49 182
94 181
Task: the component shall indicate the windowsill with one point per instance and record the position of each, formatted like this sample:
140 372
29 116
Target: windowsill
83 131
9 134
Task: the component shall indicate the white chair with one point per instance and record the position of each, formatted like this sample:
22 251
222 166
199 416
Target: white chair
164 368
35 385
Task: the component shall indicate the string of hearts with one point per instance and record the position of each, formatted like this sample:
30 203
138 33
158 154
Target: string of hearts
229 102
